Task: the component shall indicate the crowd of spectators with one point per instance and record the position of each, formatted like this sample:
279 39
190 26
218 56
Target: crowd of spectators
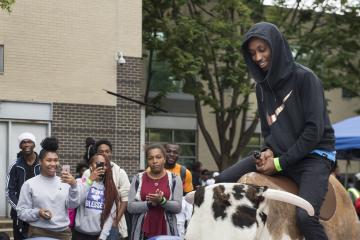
98 202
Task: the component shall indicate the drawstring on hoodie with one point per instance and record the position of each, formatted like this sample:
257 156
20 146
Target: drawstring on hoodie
272 91
261 90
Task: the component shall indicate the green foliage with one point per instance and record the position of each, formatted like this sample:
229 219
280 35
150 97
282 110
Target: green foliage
201 44
6 4
325 41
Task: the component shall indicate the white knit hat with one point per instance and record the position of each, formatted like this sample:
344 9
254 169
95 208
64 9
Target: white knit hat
26 135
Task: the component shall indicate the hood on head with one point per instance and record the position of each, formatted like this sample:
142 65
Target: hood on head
282 61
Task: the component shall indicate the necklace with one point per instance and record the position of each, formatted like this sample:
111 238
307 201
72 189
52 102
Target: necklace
155 179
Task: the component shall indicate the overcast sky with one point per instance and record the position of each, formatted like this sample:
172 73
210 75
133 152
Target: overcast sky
307 3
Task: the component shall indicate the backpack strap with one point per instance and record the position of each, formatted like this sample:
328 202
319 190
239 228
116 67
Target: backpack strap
182 173
173 180
137 183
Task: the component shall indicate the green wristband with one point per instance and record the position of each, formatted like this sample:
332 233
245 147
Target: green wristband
277 165
89 181
163 201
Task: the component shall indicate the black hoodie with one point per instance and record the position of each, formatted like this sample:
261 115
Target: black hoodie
291 102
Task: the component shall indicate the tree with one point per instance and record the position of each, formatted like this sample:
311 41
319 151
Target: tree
326 40
201 41
6 4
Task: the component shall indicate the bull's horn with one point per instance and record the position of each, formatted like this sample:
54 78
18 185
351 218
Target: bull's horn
189 197
289 198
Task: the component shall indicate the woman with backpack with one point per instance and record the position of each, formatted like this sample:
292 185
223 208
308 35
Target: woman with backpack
155 197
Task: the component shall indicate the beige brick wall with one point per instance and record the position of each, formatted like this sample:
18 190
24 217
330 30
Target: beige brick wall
63 51
341 108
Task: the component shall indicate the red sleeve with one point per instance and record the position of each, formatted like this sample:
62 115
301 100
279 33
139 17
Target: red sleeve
357 205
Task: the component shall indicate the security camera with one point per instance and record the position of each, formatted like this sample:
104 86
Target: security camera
120 58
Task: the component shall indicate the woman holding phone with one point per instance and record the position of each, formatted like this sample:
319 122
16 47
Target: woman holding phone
98 201
155 197
45 199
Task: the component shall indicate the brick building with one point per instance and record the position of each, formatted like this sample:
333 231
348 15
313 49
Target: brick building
55 59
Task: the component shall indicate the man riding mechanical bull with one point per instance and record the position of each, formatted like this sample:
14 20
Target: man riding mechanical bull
299 145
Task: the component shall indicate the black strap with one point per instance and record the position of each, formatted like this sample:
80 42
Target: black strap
137 183
183 173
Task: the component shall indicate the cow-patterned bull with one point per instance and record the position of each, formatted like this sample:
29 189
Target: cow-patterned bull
242 211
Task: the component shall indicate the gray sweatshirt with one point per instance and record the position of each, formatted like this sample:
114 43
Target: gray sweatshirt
51 194
89 212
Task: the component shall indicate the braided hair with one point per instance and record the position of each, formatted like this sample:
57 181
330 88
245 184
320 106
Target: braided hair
111 193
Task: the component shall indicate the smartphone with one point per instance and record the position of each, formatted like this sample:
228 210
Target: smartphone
99 164
66 168
47 214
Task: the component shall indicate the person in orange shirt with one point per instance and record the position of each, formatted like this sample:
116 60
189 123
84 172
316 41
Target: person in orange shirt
172 155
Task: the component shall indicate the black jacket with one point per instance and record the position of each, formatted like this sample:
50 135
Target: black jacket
15 179
291 102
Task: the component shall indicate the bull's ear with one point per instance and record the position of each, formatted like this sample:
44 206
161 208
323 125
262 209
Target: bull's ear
189 197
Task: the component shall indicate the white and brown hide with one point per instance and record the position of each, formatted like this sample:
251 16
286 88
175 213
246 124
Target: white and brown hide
342 224
226 211
239 211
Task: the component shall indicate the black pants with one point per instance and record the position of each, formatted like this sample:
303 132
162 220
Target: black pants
311 174
20 229
82 236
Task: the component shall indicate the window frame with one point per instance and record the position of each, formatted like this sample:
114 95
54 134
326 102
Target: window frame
172 140
2 58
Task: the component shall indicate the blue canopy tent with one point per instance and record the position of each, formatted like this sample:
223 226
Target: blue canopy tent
347 140
347 134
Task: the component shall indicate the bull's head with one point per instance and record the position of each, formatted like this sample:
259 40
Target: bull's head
233 210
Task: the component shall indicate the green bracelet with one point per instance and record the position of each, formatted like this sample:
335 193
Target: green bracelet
163 201
89 181
277 165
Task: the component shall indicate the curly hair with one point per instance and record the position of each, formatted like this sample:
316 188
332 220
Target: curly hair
49 144
103 141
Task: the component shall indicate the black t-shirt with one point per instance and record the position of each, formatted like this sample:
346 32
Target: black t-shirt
29 171
196 179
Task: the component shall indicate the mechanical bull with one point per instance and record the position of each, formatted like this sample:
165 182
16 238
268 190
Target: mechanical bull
247 211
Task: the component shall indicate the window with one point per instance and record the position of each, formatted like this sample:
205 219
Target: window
346 93
1 58
162 79
185 138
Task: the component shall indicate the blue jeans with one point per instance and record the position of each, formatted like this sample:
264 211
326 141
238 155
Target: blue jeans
114 234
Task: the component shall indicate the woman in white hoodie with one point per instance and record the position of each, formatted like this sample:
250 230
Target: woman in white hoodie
98 201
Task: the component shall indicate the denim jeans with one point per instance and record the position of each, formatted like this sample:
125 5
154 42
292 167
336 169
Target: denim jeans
114 234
